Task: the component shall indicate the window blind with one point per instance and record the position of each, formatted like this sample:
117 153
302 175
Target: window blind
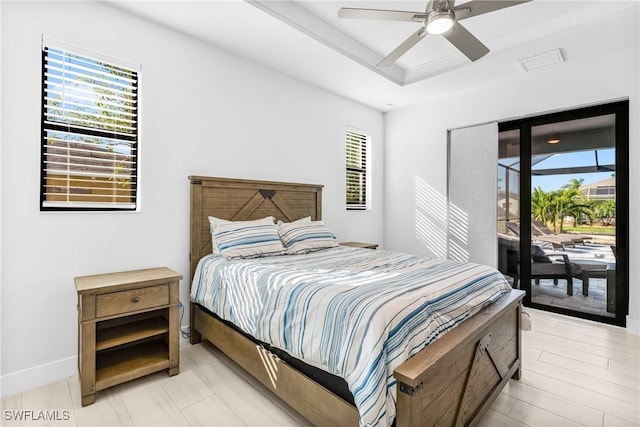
356 149
89 133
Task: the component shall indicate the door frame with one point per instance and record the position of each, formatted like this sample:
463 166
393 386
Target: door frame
621 111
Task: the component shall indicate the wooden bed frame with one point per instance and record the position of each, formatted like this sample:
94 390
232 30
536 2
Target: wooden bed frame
451 382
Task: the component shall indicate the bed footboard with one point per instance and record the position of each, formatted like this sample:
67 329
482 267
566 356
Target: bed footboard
450 383
456 379
311 400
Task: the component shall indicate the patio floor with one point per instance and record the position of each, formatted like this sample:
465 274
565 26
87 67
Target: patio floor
556 295
596 302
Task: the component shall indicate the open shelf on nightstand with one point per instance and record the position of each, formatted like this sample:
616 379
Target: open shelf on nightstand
130 332
123 364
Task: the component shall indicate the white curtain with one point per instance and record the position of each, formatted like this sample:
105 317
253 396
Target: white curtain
472 194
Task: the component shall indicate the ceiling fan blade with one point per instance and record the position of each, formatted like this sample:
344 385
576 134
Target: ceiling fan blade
466 42
403 48
479 7
387 15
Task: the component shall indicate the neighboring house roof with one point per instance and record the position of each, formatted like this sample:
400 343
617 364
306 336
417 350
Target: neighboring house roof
604 189
609 182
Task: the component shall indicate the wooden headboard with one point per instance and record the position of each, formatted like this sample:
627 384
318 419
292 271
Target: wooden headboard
242 199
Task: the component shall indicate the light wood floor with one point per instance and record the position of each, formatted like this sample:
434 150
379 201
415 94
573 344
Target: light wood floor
575 373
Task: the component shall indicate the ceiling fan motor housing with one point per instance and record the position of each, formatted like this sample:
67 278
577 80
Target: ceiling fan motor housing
440 6
440 16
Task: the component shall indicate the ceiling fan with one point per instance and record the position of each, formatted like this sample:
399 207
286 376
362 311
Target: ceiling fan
440 17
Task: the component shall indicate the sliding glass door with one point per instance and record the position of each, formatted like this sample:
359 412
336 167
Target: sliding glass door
563 210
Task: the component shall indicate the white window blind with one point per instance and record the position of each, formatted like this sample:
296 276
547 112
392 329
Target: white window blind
356 149
89 133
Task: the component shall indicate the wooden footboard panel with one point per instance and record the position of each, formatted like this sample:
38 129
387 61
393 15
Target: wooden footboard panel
454 381
311 400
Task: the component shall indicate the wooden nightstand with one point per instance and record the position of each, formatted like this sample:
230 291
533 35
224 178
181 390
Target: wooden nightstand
360 245
128 327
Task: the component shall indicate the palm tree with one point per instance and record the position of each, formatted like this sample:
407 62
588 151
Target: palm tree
541 205
569 201
573 184
576 211
553 206
572 205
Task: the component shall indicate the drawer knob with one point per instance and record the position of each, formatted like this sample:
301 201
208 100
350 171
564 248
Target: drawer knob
135 300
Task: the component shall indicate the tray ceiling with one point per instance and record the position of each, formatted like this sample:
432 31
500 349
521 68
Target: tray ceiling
306 40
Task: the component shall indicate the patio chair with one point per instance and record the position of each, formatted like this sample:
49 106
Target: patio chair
556 242
548 266
538 228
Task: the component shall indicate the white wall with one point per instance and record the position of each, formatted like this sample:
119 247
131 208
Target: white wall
203 112
600 66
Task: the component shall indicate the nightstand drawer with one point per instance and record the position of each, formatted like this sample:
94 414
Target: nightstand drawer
122 302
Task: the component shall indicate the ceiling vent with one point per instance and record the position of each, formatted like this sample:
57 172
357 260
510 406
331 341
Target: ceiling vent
540 61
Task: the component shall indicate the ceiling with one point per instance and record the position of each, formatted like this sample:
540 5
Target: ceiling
307 41
597 132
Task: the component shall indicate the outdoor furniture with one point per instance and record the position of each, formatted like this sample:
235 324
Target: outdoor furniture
508 250
556 242
547 266
538 228
587 269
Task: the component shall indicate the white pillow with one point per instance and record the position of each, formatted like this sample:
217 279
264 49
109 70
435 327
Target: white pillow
305 236
247 239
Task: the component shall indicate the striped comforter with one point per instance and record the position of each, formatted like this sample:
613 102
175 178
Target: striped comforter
355 313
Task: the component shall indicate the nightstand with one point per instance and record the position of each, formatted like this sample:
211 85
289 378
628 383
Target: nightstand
128 327
360 245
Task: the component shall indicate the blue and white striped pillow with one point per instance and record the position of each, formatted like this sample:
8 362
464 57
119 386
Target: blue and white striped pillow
305 236
248 239
213 221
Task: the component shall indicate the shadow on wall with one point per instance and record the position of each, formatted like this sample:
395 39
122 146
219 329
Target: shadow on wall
458 234
432 212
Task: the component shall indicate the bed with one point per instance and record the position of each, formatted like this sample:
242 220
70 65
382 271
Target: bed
452 381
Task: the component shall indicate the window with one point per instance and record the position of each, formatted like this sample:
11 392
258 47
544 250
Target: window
89 147
356 147
605 190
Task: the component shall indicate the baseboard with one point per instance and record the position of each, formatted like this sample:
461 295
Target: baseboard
30 378
633 326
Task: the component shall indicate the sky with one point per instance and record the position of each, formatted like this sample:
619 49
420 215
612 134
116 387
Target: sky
563 160
555 182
